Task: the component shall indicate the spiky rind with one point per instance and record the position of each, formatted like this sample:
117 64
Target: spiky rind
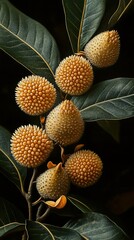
30 146
74 75
103 50
84 168
64 123
35 95
53 183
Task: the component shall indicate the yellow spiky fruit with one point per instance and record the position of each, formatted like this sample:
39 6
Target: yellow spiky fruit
30 146
35 95
64 123
53 183
84 168
74 75
103 50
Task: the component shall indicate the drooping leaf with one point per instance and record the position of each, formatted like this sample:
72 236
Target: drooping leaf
8 166
27 41
13 227
82 20
111 127
79 204
97 226
108 100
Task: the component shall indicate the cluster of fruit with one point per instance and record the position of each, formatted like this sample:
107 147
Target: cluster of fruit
35 95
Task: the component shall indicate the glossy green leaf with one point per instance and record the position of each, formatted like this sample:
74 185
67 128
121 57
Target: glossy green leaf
82 20
108 100
27 41
8 166
111 127
96 226
79 204
11 228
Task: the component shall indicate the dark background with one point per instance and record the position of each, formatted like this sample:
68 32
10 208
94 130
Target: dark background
115 191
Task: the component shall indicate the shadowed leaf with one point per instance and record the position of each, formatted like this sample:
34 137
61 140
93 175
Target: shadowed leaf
8 166
97 226
27 41
82 20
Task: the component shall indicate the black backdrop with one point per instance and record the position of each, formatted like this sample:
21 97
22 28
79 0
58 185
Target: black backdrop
118 158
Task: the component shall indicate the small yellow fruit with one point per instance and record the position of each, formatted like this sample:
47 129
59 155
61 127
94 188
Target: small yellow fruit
84 168
103 50
35 95
74 75
30 146
53 183
64 123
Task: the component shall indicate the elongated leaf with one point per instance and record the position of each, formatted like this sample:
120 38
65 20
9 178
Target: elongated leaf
108 100
8 166
27 41
11 228
79 204
64 233
11 218
9 213
121 9
82 20
97 226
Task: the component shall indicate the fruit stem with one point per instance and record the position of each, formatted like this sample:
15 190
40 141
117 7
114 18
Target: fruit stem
28 195
44 215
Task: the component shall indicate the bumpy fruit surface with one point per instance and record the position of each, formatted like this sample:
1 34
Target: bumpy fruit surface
64 123
103 50
84 168
74 75
53 183
30 146
35 95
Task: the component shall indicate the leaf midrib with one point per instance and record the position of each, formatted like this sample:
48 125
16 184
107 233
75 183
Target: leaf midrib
99 103
33 49
20 180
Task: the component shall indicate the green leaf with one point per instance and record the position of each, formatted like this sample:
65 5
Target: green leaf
8 166
27 41
97 226
111 127
11 218
82 20
37 230
9 213
11 228
64 233
108 100
79 204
